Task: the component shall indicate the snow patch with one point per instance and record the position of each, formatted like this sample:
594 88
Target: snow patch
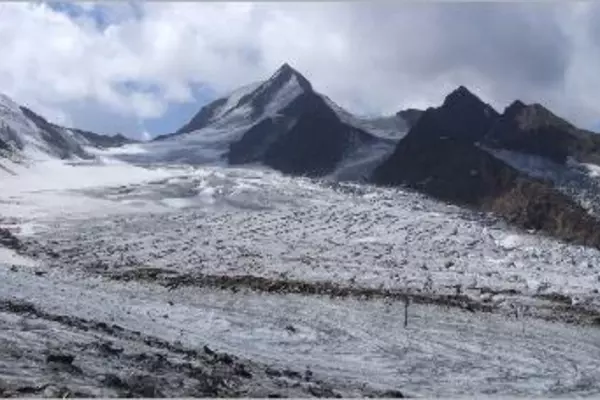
593 170
234 98
386 127
510 242
9 257
284 96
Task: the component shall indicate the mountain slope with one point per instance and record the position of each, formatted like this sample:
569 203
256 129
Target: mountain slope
87 138
392 127
246 106
220 112
30 135
25 135
207 136
533 129
441 156
285 124
307 138
410 116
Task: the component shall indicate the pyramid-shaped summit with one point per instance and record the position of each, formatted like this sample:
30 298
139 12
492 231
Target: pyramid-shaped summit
250 103
286 74
463 98
286 70
514 108
280 122
459 94
462 116
277 92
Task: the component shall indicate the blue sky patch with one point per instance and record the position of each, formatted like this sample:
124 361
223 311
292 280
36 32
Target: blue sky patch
178 114
103 14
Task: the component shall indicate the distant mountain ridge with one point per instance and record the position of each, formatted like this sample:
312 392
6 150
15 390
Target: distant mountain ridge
533 129
27 135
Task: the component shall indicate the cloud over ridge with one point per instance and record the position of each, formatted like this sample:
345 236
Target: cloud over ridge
106 66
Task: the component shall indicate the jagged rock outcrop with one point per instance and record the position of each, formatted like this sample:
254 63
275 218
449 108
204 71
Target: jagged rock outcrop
441 156
533 129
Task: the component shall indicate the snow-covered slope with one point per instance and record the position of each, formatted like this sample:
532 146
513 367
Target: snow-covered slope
389 127
207 136
359 164
26 138
362 160
232 101
26 134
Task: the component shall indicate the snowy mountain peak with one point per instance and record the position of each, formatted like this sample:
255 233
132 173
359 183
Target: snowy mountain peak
249 104
285 85
286 73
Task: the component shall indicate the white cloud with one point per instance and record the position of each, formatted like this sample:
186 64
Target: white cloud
369 57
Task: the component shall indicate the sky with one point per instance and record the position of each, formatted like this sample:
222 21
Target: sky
144 68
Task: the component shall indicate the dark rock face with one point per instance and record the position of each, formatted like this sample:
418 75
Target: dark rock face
7 239
307 139
410 116
255 143
533 129
440 156
462 116
532 204
448 169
